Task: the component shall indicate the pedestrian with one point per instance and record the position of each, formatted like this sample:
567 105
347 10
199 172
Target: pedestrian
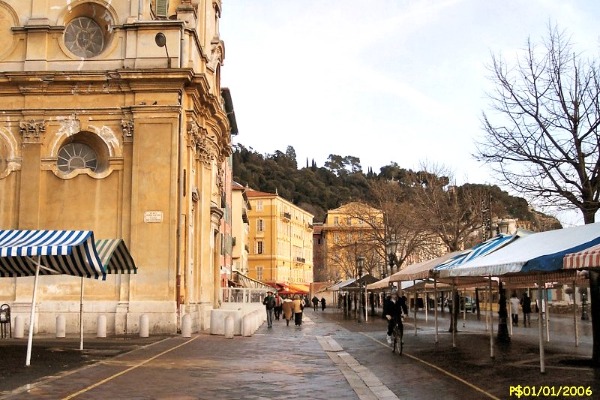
315 301
526 307
278 303
287 307
393 308
298 304
514 309
323 301
269 303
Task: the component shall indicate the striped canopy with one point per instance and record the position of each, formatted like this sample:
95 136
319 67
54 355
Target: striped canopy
588 258
478 250
423 269
115 256
535 253
57 252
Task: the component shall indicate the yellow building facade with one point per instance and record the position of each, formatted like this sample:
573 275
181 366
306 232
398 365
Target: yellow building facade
113 120
280 240
348 232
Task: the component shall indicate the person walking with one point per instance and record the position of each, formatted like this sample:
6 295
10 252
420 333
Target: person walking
298 304
269 303
514 309
287 307
315 301
323 301
278 303
526 307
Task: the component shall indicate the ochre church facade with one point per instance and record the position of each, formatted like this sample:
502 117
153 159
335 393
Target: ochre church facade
113 120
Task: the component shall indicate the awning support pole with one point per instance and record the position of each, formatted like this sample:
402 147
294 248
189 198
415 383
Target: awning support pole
415 308
575 314
453 315
491 317
546 314
540 327
435 302
31 315
81 317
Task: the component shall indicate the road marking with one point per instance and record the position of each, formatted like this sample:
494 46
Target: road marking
110 378
450 374
364 383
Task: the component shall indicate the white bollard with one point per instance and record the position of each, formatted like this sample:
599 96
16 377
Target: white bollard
186 326
19 332
61 326
247 325
144 326
101 330
229 327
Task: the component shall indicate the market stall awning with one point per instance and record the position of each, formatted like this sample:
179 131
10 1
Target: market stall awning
584 259
536 253
293 288
421 270
479 250
381 284
115 256
56 252
341 285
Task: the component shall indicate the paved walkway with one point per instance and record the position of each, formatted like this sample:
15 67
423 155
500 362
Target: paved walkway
332 357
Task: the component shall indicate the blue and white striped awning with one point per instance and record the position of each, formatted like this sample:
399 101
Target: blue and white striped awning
57 252
115 256
539 252
478 250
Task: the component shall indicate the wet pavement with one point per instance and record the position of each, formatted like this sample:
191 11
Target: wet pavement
331 356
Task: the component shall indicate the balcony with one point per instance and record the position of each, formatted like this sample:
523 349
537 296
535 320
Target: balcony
300 260
286 215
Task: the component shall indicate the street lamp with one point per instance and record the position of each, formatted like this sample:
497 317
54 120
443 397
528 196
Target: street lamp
391 248
360 262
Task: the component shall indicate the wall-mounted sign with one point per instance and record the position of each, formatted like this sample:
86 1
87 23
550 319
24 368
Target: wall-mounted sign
153 217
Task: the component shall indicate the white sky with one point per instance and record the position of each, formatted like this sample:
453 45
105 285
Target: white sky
385 80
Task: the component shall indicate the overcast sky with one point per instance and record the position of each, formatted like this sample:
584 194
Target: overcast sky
386 81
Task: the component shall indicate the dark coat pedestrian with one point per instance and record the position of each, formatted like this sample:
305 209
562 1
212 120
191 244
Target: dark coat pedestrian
269 303
323 303
315 301
526 307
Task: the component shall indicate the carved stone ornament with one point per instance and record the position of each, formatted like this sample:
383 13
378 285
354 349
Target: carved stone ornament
127 127
199 140
32 130
220 178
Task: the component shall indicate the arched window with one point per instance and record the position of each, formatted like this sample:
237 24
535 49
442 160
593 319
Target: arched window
85 151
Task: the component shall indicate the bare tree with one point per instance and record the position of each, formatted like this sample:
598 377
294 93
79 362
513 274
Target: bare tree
402 226
541 136
452 213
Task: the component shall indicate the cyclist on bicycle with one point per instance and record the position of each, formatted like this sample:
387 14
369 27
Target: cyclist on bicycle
393 307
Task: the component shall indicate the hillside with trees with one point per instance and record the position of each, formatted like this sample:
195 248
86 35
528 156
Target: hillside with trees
342 180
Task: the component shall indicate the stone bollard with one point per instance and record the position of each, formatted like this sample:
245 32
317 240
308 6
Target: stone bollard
229 327
248 324
186 326
101 331
19 332
144 326
61 326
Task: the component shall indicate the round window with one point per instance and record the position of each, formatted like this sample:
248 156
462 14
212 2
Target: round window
77 156
84 37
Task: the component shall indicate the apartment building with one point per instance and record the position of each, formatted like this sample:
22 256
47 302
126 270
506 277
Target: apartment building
280 240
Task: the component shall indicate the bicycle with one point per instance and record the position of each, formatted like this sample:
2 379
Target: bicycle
398 335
